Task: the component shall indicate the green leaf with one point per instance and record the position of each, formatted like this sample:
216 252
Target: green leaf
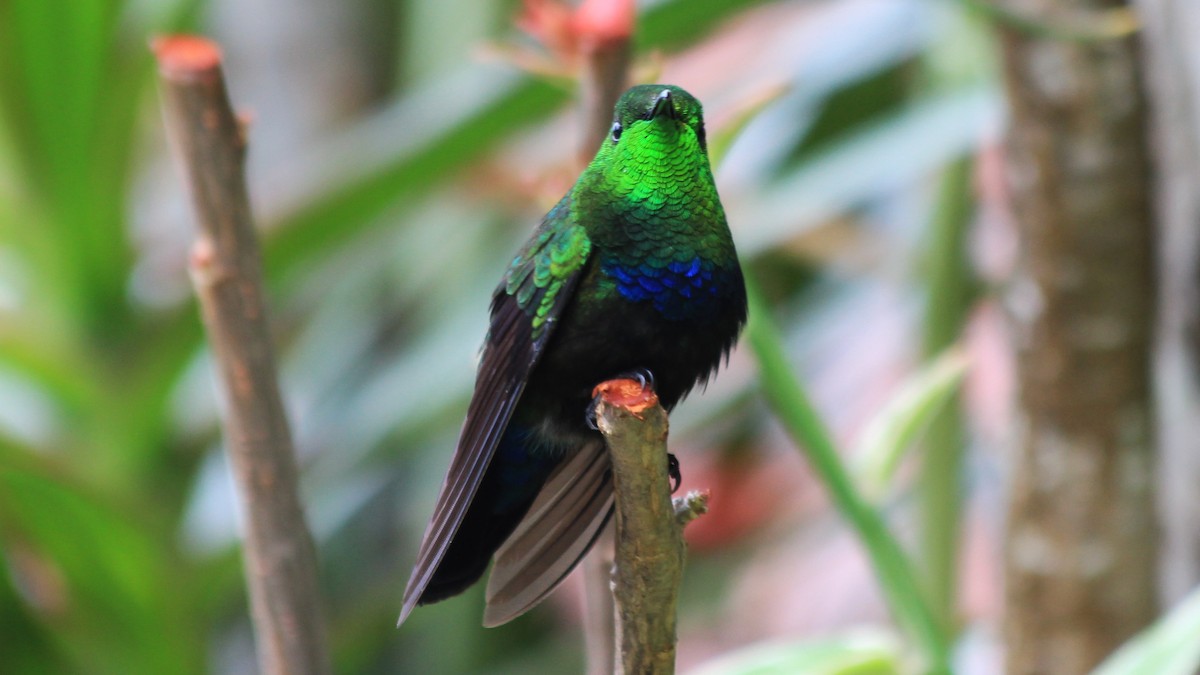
863 653
93 575
674 24
1170 646
899 424
791 404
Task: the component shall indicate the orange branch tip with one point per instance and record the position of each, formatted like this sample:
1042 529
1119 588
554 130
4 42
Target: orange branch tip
630 394
185 56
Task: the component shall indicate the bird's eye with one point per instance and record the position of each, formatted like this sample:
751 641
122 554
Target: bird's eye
615 133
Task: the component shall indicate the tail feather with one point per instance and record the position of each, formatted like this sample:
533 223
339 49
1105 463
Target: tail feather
467 558
505 494
560 527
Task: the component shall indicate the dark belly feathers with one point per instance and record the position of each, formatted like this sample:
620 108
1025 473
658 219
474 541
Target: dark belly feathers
603 333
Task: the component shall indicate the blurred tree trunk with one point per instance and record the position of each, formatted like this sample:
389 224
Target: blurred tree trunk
1081 543
1173 57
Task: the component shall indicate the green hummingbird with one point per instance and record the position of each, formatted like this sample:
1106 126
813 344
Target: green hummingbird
633 271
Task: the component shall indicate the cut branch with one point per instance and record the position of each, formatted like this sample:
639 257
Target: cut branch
649 546
280 561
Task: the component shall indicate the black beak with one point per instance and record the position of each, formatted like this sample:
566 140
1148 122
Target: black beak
664 105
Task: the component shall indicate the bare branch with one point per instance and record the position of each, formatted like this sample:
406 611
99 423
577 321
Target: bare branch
280 561
650 549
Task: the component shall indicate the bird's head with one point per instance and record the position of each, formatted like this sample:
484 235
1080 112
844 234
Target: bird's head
658 130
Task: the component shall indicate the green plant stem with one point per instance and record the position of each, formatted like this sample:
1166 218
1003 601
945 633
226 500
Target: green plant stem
940 498
951 290
791 404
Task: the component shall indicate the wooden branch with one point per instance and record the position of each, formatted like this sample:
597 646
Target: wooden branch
280 560
649 548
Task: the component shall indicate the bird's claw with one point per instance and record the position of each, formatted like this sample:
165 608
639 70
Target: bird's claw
673 472
589 416
642 376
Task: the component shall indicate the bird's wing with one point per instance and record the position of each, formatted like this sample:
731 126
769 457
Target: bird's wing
569 513
525 309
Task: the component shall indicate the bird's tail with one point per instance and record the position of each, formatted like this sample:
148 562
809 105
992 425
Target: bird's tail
507 490
560 527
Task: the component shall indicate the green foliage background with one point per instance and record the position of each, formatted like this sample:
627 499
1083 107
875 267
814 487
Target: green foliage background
118 551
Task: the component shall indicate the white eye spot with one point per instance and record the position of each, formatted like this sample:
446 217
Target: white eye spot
615 133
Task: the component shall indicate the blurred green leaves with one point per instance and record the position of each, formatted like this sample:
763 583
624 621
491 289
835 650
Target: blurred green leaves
92 575
855 653
884 441
792 406
382 251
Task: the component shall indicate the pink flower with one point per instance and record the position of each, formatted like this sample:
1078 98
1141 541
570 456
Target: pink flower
569 32
600 21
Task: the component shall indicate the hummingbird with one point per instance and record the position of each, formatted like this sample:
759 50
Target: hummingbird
634 271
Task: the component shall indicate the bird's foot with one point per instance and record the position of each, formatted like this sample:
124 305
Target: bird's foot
642 376
673 472
590 415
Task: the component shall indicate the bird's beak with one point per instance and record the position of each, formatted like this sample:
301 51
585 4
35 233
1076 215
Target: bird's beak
664 105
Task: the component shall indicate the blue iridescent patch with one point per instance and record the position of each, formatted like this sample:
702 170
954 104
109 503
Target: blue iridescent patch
678 290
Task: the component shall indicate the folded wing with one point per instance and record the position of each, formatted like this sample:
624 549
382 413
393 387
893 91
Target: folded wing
539 284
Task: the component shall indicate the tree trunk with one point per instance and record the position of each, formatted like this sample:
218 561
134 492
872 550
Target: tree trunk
1080 552
1173 58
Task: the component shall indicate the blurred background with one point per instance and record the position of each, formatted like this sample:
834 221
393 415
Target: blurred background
400 150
